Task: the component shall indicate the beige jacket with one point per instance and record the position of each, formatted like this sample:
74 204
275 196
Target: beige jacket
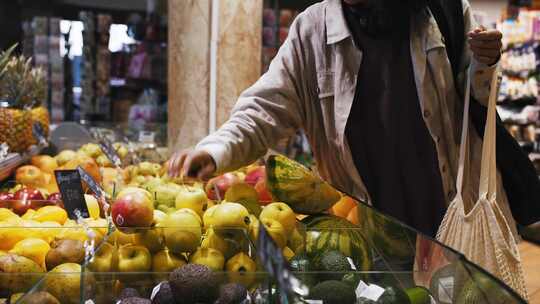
310 85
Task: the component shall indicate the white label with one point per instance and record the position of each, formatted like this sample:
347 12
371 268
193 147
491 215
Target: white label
360 288
314 301
373 292
155 291
446 289
353 267
89 302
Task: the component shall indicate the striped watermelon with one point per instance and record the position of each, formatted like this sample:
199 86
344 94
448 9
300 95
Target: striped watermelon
328 232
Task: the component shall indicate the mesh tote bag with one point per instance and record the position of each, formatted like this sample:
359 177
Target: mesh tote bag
479 229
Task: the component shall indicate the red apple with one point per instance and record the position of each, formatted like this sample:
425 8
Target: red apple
265 197
5 199
55 199
132 209
25 199
253 176
222 183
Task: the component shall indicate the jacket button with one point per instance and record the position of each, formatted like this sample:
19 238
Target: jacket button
427 114
443 168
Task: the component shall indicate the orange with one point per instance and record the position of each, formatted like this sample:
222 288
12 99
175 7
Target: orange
343 206
353 216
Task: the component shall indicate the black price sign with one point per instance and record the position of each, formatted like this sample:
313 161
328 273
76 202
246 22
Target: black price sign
69 183
92 184
275 263
110 152
39 134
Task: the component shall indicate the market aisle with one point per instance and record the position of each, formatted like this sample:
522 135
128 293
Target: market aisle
530 254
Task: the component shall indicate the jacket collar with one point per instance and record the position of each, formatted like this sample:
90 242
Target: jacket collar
336 26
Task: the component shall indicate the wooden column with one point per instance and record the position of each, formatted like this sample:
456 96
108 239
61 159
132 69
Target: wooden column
238 63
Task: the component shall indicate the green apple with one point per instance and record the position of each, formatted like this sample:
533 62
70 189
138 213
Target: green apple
151 238
134 258
91 150
276 231
192 198
208 217
166 261
65 156
245 195
210 257
146 168
166 194
159 216
212 240
241 269
253 227
282 213
182 231
105 259
230 218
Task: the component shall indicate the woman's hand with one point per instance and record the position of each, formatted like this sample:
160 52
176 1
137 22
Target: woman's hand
192 163
486 45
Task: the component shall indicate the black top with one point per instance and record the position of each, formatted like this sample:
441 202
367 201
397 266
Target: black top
391 145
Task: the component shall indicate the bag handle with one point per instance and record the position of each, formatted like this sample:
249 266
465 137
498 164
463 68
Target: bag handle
488 171
464 135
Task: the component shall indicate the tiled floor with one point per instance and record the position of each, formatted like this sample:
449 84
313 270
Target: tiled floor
530 254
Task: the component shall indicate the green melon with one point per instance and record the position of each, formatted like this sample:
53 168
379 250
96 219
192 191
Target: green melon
327 232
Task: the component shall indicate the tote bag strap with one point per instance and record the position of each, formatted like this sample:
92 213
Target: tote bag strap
464 135
488 171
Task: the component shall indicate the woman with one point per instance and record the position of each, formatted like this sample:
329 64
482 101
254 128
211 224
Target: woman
370 83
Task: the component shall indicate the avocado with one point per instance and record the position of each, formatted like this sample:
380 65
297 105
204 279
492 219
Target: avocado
333 292
394 295
232 293
194 283
301 266
164 295
333 264
135 300
128 293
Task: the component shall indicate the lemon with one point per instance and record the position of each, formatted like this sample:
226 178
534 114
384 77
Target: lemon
50 213
7 214
28 214
32 248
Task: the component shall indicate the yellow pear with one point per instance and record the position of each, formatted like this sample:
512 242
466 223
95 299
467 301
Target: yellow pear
34 249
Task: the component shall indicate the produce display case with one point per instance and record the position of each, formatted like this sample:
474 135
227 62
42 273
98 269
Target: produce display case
372 258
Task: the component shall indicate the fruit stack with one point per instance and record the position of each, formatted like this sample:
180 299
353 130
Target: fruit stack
22 90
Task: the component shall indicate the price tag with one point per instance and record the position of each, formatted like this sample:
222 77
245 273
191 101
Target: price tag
372 292
273 261
155 291
110 152
360 288
146 137
92 184
446 289
39 134
69 183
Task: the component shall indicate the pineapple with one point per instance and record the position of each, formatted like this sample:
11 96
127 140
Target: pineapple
36 96
15 116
